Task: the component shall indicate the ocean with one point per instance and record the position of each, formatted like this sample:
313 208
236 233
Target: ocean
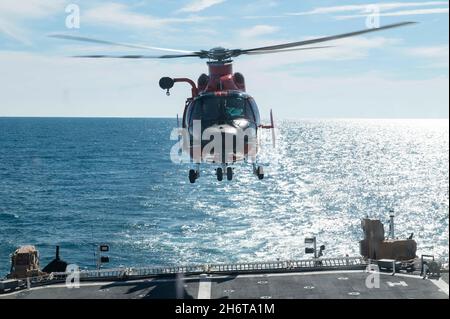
81 182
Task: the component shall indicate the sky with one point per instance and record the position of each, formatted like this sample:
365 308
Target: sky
398 73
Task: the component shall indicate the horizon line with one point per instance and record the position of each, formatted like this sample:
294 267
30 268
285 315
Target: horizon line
170 117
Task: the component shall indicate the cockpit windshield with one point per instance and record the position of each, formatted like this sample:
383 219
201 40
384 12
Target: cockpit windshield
221 109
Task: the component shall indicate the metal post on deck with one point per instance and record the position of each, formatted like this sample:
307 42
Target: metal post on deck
315 247
391 224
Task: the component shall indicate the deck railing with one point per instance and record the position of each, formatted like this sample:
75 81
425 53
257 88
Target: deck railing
248 267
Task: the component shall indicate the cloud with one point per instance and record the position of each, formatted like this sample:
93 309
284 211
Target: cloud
366 95
257 6
398 13
115 14
71 87
363 8
342 50
431 52
13 32
256 17
200 5
81 87
258 30
436 56
13 14
30 8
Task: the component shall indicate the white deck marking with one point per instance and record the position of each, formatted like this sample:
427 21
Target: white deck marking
204 288
441 284
400 283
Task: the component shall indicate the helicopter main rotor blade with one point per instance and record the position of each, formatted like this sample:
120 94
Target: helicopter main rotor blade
287 50
168 56
127 45
324 39
222 54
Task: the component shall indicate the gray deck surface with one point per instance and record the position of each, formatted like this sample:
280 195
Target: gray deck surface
444 277
316 285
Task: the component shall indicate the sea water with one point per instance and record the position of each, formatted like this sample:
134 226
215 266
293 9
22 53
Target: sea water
81 182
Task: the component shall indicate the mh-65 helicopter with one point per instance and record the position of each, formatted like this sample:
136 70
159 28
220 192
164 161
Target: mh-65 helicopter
219 105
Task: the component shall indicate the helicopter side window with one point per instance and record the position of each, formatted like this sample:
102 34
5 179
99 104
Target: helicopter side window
187 114
255 110
196 112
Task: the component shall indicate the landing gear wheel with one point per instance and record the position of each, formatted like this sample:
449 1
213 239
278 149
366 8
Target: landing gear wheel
192 175
219 173
260 172
229 173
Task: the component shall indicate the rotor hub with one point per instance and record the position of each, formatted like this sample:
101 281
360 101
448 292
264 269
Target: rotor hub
219 54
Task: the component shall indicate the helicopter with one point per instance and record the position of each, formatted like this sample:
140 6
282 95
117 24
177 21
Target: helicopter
219 105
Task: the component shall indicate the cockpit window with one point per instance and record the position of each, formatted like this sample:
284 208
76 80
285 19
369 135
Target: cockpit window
236 107
208 108
221 108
